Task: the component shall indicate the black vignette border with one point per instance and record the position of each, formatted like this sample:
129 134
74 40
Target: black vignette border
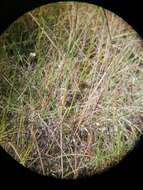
129 170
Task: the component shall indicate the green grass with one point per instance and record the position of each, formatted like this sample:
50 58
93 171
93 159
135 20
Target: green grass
71 93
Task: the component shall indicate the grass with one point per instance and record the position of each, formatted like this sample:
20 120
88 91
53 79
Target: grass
71 94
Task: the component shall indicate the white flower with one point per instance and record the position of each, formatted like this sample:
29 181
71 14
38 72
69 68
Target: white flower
32 54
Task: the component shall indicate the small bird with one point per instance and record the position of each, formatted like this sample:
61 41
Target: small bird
83 85
73 97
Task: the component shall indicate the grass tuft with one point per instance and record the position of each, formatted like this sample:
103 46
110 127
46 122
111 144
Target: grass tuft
71 93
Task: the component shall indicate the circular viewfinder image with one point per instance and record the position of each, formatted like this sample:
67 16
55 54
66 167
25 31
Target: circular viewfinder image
71 89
